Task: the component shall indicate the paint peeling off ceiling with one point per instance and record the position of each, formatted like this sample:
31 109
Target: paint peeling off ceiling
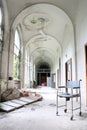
36 21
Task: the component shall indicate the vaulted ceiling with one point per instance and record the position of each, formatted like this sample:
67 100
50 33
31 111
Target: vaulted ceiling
16 6
43 23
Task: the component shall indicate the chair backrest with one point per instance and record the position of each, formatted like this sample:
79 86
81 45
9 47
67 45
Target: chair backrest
73 84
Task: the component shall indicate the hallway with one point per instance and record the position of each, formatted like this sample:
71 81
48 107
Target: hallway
42 115
43 42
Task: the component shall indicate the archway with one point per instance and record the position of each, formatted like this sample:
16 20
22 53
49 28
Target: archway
43 72
47 34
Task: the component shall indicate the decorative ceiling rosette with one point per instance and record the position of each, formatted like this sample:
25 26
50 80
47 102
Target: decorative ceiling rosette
36 21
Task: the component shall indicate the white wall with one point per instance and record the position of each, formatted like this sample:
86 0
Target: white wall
81 39
68 51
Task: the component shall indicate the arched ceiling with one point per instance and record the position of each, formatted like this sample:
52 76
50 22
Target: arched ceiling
43 27
44 49
16 6
55 21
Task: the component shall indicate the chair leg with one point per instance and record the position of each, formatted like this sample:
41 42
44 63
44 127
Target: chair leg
57 104
65 110
72 108
80 113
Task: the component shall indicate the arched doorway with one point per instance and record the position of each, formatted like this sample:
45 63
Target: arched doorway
43 74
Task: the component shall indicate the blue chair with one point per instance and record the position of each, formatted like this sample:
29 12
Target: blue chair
69 94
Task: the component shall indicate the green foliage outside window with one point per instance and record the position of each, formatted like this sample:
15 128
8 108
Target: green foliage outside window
16 67
17 54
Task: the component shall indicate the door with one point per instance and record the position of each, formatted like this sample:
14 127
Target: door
86 70
68 70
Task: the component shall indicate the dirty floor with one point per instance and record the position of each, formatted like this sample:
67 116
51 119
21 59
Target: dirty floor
42 115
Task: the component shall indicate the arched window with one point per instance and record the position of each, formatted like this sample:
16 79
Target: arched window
17 54
26 81
1 38
1 34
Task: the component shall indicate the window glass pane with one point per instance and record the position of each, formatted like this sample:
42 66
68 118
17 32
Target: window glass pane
16 50
17 39
0 46
16 67
16 64
0 34
0 30
0 23
0 17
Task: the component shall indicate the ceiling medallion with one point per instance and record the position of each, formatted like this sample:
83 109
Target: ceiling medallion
36 21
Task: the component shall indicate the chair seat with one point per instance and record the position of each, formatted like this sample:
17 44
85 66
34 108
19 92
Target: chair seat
68 95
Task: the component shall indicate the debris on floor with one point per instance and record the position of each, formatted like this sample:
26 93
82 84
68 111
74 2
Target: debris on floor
13 104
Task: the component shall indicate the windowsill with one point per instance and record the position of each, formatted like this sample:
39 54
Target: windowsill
16 79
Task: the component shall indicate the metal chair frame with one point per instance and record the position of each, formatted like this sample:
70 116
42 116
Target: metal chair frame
67 95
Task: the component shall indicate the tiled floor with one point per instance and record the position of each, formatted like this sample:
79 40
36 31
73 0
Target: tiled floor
42 116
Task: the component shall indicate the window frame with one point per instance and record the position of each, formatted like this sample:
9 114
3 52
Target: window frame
1 30
16 57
